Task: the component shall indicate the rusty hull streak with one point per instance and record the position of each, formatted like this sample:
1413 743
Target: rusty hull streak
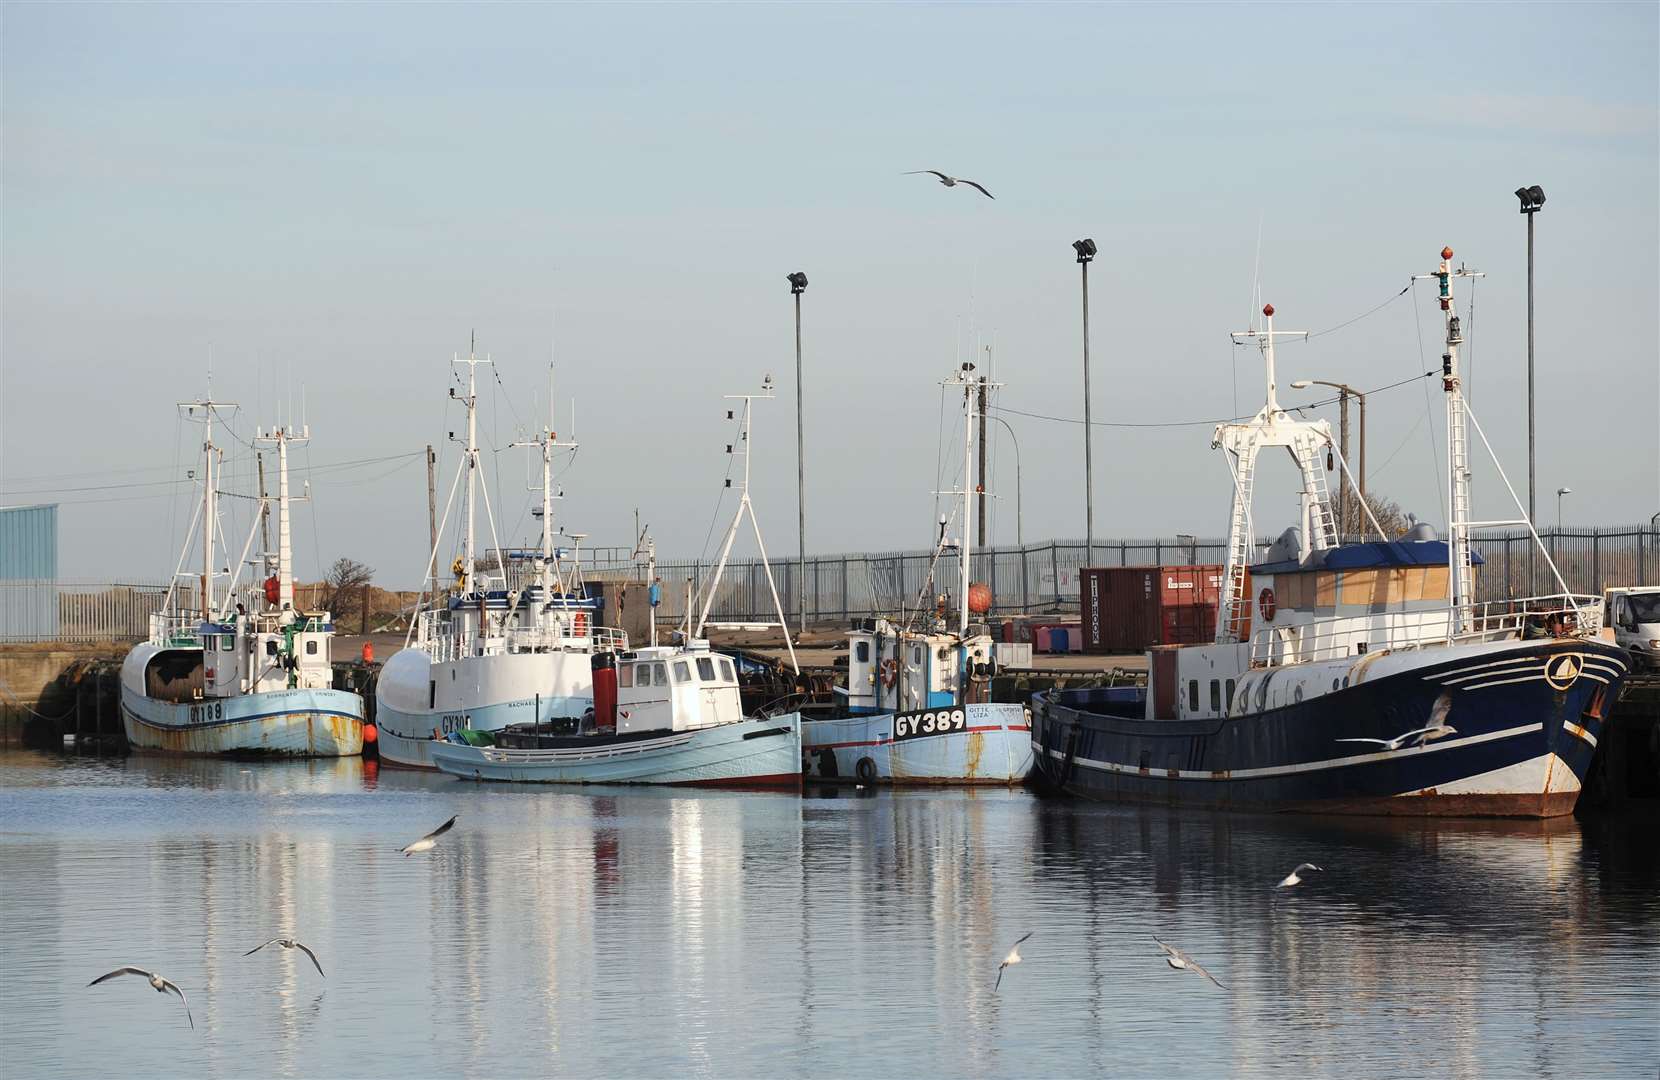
325 736
976 747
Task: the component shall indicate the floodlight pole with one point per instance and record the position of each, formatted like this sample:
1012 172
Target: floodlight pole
1086 251
798 285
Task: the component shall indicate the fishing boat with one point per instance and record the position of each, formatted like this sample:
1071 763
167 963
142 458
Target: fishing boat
916 707
1361 677
662 715
492 655
243 671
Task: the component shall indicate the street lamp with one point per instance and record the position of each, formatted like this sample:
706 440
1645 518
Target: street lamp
798 285
1019 519
1086 251
1532 200
1344 393
1561 491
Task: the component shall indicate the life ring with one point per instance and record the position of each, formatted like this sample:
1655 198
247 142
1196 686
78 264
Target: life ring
1265 601
890 673
865 770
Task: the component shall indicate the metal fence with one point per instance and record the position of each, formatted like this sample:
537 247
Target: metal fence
78 611
1040 578
1044 578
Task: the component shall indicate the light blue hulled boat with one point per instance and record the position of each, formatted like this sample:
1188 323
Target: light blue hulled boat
916 708
246 673
671 716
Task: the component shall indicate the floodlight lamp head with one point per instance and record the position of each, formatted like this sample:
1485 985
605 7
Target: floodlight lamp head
1085 249
798 282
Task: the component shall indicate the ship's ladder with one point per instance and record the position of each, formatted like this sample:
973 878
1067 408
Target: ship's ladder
1236 604
1321 521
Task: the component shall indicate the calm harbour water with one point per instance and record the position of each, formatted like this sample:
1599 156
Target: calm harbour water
610 932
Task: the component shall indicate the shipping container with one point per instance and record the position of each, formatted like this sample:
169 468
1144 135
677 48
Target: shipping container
1133 608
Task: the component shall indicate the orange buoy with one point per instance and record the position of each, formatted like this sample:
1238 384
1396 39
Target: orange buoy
370 735
368 652
979 598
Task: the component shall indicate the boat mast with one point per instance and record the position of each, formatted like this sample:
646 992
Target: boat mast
1461 595
970 382
207 510
471 460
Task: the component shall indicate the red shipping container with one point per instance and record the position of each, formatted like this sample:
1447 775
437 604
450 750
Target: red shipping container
1040 639
1132 608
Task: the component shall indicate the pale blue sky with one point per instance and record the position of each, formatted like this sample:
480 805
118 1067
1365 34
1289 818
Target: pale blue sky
336 196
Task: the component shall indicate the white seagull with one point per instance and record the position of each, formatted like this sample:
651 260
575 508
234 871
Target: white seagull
952 181
430 840
1010 960
290 943
1295 877
1437 728
160 985
1183 962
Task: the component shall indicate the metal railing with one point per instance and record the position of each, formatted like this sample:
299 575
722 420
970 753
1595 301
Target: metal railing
1346 636
445 640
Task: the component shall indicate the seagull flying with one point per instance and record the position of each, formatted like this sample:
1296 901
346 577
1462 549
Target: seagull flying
1183 962
1009 960
1438 728
160 985
1295 877
290 943
952 181
430 840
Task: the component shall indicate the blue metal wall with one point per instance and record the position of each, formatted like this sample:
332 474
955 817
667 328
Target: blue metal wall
28 573
29 543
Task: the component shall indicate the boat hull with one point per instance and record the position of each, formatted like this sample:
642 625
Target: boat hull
993 746
1522 746
278 723
750 753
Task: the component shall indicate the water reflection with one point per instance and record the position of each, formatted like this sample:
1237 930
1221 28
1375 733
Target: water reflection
660 932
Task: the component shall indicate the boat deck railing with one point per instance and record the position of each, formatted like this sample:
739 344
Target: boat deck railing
1341 636
445 640
176 629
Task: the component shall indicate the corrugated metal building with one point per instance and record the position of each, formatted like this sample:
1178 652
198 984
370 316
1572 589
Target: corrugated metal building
28 573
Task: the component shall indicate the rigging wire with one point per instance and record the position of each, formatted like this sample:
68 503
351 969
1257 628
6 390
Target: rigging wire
1435 453
1362 315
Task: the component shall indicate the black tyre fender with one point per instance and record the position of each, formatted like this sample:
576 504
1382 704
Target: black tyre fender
865 770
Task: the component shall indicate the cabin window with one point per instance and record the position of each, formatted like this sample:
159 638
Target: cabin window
1193 695
645 675
311 648
661 673
682 671
862 651
1215 695
705 669
625 675
916 656
270 646
1228 690
227 643
726 670
432 693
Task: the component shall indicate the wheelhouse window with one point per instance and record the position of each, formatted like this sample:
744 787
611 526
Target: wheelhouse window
1215 695
271 647
705 669
1193 695
726 670
227 642
311 648
862 651
660 672
916 655
625 675
644 678
682 671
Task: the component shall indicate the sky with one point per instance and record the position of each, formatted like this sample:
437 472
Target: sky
320 204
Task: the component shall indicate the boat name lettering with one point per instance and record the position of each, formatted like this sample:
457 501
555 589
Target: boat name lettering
917 725
453 722
202 714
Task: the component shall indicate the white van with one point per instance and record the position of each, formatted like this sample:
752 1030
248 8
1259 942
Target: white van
1634 616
